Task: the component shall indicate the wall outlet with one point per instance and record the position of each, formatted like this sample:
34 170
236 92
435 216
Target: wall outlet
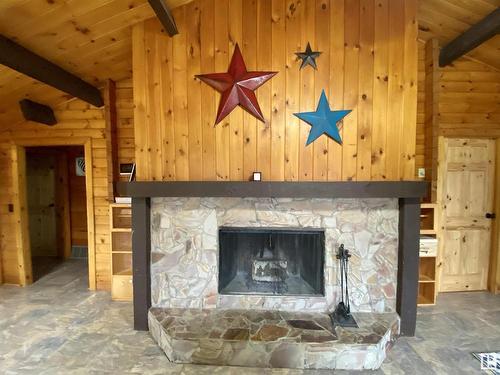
421 172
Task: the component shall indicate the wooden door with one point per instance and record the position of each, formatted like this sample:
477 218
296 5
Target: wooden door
465 195
41 187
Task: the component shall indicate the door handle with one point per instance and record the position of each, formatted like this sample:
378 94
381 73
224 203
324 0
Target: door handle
490 215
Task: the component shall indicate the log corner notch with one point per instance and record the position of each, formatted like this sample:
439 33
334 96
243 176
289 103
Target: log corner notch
33 111
26 62
477 34
163 13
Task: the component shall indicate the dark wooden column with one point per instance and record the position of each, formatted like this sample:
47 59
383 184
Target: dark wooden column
141 254
408 259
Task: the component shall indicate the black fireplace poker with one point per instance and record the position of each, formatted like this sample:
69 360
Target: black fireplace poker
342 315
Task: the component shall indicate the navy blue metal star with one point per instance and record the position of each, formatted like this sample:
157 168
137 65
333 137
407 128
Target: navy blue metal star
323 121
308 57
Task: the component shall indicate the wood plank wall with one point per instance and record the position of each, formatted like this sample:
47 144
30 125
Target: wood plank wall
78 199
368 64
469 100
125 122
76 119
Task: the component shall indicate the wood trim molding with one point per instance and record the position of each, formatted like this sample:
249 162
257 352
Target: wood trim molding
21 215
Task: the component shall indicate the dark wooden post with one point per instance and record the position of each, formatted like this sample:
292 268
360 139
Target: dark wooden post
408 259
141 257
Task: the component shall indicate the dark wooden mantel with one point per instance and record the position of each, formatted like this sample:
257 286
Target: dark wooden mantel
409 194
341 189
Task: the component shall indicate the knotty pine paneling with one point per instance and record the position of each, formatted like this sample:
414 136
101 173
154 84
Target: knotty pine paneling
76 119
368 64
469 100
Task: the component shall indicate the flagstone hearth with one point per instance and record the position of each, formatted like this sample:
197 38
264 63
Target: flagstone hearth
260 338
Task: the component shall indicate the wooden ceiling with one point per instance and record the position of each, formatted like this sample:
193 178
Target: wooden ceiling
446 19
89 38
92 39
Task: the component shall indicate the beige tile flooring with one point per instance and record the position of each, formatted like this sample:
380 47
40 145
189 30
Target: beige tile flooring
56 326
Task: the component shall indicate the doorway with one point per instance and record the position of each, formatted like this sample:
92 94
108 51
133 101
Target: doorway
20 204
56 198
465 196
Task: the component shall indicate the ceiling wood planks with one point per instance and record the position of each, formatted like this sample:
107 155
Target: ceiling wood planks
476 35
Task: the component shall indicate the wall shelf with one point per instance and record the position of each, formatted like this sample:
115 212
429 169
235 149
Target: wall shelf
427 278
121 252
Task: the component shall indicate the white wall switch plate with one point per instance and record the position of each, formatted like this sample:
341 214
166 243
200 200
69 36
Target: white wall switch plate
421 172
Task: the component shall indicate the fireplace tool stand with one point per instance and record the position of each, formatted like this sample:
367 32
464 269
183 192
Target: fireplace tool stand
342 315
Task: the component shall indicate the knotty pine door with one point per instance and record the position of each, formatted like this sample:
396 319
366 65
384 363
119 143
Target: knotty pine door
465 196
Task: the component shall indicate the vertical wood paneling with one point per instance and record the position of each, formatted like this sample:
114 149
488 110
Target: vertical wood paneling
395 88
264 63
336 96
207 40
195 138
368 64
407 166
249 50
166 98
351 71
380 83
180 117
293 26
278 120
222 131
307 101
365 84
322 80
236 117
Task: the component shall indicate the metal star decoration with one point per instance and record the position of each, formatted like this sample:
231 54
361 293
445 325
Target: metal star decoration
237 87
323 121
308 57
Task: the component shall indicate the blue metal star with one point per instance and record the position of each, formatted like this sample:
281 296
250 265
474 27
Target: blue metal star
323 121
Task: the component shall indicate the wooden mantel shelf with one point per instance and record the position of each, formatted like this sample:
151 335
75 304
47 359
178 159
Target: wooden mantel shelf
341 189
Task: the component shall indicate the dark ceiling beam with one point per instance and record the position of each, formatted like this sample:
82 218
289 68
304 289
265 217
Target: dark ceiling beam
477 34
163 13
33 111
26 62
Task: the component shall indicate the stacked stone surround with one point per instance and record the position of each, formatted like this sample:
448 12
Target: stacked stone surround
184 234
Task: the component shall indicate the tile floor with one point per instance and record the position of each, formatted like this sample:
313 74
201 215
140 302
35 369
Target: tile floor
56 326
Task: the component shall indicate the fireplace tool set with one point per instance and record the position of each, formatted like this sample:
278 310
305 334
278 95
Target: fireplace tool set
342 315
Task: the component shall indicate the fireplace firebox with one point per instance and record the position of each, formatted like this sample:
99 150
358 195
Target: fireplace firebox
271 261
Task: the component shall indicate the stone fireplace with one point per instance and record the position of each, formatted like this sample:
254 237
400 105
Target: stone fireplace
176 250
272 253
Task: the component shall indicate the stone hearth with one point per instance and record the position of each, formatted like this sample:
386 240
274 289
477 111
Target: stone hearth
260 338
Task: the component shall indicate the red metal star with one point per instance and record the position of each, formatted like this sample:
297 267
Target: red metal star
237 87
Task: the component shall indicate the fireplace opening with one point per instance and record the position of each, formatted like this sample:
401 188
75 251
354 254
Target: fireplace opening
271 261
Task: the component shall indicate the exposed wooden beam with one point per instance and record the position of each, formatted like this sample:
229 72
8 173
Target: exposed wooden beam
24 61
33 111
163 13
477 34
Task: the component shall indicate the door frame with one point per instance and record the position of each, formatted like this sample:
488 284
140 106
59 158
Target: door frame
21 204
493 278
